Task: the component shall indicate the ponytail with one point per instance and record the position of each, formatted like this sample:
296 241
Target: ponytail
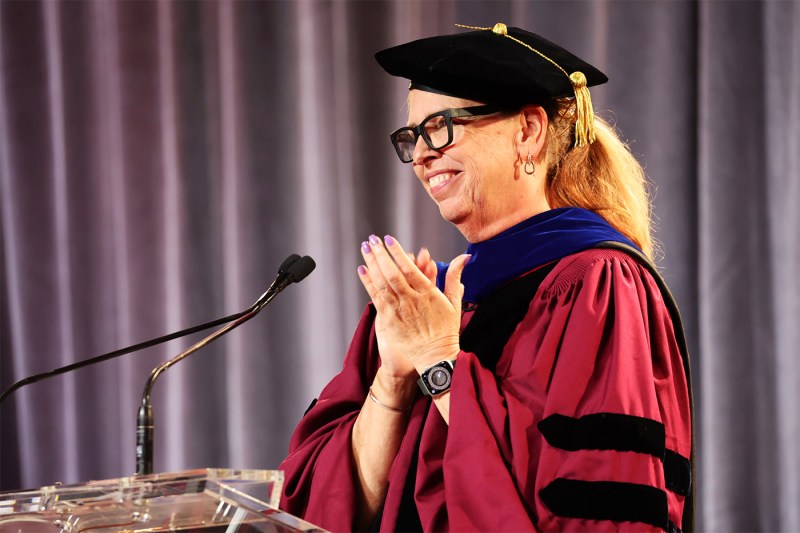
603 176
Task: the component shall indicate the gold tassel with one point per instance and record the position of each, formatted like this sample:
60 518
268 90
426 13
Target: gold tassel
584 119
584 112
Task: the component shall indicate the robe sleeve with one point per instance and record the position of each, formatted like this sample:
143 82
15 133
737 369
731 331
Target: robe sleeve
319 474
586 417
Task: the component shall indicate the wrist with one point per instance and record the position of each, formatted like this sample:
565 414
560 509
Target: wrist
393 390
444 350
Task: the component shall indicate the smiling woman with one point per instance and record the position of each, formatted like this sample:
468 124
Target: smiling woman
538 382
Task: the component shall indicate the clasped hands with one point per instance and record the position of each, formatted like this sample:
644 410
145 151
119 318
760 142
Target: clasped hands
416 324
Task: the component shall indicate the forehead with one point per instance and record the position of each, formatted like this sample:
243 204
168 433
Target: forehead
423 103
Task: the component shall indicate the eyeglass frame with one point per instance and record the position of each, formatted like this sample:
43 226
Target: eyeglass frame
448 115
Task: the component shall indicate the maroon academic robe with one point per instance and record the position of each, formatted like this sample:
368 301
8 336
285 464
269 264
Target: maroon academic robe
570 427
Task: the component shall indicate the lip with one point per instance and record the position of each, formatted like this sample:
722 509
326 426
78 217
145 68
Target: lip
439 187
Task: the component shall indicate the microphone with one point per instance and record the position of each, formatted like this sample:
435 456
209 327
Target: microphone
293 270
283 273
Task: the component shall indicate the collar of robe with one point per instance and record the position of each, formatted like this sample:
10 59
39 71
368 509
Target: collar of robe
532 243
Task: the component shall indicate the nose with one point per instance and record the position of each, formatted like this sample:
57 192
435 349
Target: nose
423 153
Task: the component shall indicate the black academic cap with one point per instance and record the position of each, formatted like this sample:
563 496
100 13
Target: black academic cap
497 65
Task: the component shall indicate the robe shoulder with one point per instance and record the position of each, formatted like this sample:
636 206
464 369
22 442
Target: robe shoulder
588 399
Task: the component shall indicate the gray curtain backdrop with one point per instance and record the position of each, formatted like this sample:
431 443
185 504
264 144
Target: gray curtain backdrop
158 161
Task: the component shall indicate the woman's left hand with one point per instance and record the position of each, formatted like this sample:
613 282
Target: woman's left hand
416 323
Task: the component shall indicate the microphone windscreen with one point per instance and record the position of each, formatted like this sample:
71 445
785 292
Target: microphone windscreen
289 261
301 268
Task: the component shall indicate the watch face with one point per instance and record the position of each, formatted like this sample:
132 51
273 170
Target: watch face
439 378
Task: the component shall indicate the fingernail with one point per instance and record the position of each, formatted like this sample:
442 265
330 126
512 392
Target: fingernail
388 240
374 240
362 269
365 247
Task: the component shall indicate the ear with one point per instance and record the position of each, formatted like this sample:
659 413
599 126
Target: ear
532 132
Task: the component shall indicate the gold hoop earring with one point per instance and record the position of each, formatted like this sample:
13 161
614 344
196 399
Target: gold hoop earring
529 166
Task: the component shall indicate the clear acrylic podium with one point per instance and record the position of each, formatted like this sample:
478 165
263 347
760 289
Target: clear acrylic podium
209 500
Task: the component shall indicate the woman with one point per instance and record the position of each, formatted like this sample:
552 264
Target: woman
542 385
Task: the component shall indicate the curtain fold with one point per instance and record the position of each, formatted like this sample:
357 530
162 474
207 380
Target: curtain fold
159 160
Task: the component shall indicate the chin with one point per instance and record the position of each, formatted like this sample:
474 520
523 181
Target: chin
462 223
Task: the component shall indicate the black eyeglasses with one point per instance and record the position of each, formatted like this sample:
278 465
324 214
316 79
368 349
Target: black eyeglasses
436 129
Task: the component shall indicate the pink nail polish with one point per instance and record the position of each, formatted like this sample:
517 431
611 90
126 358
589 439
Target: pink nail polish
374 240
389 240
365 247
362 269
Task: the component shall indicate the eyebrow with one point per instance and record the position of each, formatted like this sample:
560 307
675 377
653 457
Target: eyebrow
410 125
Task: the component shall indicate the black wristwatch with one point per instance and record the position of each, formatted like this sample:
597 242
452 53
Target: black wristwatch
436 379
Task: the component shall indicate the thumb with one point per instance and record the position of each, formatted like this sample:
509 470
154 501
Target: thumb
453 288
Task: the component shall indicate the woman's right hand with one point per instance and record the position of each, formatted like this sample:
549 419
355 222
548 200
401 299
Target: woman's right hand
416 324
396 379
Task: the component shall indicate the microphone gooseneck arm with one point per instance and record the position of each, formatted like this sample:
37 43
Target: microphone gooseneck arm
116 353
293 270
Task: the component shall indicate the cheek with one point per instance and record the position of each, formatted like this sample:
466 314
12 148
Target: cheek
489 176
475 185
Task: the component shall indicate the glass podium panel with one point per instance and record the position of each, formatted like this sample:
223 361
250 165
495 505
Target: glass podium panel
208 500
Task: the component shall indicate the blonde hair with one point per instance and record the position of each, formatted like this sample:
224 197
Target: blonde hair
603 177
